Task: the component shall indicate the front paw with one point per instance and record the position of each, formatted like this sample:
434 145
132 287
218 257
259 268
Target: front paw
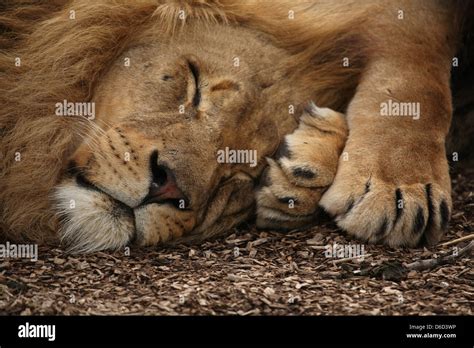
395 196
304 168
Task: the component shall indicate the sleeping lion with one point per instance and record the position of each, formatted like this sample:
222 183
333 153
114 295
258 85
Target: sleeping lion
157 121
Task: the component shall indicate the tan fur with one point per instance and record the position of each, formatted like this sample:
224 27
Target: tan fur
73 59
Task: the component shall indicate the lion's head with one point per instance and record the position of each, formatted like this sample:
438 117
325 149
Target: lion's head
159 166
186 111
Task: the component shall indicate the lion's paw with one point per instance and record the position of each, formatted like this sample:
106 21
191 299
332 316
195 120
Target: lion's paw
304 168
397 210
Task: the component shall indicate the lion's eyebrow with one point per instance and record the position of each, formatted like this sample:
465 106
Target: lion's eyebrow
195 71
226 84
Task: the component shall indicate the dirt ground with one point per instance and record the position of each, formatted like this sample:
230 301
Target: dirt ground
250 272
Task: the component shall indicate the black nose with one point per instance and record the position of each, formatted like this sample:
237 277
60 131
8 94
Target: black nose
159 173
163 188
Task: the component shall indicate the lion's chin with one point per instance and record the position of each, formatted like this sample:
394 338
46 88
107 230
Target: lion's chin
92 221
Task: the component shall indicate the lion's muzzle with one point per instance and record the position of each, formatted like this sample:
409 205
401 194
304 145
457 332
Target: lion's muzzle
118 190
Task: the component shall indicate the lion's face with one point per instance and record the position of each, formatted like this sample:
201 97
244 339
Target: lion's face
157 163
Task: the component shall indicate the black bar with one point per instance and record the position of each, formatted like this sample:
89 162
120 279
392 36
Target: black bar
136 330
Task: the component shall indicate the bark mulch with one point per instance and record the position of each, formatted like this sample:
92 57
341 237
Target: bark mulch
251 272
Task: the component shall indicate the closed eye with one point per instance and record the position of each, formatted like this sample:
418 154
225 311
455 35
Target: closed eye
197 95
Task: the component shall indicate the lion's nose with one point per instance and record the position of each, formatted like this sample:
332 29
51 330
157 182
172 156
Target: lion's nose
163 188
